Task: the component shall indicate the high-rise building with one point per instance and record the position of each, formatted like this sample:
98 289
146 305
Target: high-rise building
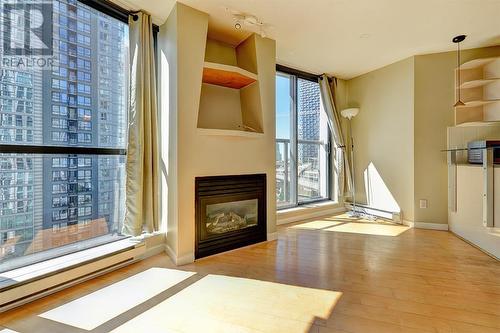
48 201
308 114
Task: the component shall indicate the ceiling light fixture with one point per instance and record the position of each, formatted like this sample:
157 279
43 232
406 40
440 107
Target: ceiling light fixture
457 40
249 20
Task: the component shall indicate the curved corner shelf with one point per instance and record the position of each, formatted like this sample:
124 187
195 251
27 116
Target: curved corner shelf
477 63
477 83
227 76
473 104
479 123
226 132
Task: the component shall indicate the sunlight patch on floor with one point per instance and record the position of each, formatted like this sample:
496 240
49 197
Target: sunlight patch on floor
93 310
370 229
356 226
218 303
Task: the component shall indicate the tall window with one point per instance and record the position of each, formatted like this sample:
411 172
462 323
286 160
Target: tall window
302 141
63 135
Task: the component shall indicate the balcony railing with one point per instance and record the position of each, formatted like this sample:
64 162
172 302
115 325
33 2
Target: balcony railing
308 170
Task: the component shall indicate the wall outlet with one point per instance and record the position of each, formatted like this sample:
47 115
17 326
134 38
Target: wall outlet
423 203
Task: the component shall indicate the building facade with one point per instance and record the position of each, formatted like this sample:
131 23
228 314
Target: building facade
49 201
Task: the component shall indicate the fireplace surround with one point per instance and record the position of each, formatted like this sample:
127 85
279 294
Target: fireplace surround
230 212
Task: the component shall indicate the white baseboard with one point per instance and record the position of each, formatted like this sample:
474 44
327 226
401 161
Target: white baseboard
426 225
179 261
311 213
272 236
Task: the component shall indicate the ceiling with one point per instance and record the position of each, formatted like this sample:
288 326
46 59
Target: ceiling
347 38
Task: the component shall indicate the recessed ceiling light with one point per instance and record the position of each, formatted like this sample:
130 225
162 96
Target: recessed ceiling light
364 35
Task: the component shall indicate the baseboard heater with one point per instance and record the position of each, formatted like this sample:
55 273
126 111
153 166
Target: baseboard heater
395 217
28 291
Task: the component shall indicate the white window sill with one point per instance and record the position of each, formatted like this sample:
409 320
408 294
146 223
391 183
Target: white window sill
308 211
42 269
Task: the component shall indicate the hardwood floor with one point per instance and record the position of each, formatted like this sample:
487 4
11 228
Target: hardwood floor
391 279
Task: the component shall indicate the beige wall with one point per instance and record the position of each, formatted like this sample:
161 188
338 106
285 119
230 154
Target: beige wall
406 108
201 155
383 130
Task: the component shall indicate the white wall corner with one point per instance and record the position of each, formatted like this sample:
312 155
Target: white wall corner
170 252
179 261
408 223
272 236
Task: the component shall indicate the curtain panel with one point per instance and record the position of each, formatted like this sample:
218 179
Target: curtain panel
342 166
142 189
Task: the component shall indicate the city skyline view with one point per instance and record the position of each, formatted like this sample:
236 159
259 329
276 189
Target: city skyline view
51 201
301 130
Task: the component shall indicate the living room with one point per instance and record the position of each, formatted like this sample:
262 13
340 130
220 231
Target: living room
249 166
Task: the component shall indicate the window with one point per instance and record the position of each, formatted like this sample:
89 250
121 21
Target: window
52 150
302 140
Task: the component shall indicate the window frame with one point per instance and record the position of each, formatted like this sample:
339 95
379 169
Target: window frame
294 75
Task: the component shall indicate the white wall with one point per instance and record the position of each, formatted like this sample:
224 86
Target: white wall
167 87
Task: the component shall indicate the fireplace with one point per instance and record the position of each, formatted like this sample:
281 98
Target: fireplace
230 212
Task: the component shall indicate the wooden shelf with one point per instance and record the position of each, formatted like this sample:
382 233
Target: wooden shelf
227 76
477 83
226 132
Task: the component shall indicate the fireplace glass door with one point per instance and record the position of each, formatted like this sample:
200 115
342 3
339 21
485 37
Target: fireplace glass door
231 216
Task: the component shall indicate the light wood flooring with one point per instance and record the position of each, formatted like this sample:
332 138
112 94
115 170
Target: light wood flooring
377 277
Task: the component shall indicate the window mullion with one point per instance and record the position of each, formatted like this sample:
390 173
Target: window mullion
294 142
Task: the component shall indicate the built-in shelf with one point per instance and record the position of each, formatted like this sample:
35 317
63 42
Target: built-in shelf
227 76
479 89
230 101
478 83
226 132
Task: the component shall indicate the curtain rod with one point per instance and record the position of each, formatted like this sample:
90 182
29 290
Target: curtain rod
115 10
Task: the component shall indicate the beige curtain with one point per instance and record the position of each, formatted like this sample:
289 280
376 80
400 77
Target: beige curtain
142 157
334 123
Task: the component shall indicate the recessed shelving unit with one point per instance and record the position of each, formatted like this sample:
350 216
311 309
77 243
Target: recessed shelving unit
480 91
230 102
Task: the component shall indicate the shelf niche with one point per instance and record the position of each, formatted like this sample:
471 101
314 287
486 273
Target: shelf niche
480 91
230 93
